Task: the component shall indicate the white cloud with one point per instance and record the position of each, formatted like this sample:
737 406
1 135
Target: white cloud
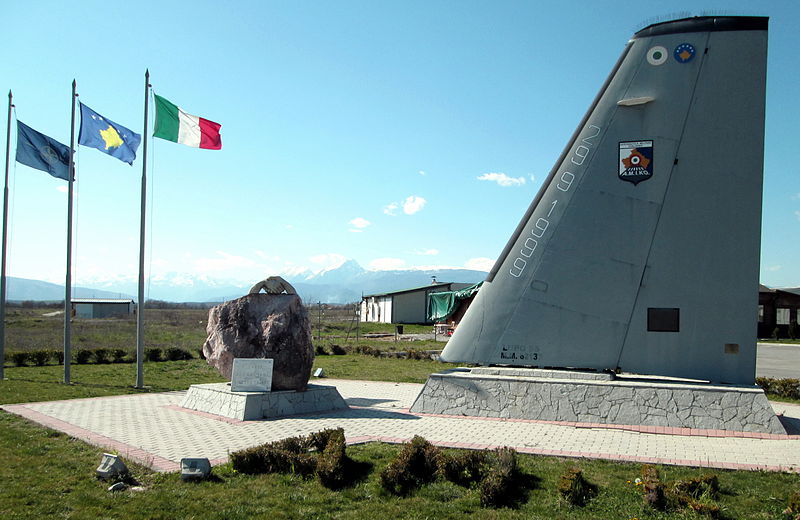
359 223
427 252
422 172
387 264
479 264
391 209
797 214
502 179
413 204
774 268
62 189
329 260
532 177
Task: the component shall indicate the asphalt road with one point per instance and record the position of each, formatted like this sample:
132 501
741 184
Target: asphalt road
778 360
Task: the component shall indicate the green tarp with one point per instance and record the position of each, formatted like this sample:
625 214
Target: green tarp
443 304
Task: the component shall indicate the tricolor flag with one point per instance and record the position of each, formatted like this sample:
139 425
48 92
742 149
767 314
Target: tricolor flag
173 124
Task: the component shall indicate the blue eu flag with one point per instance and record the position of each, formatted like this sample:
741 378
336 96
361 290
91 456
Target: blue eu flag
41 152
107 136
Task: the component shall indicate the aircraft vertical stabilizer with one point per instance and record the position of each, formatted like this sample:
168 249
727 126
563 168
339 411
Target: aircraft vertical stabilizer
641 250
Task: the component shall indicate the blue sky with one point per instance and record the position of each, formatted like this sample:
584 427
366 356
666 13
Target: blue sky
399 134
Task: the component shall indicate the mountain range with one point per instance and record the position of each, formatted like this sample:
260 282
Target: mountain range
343 284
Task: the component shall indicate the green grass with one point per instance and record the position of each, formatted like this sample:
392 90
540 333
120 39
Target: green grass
46 474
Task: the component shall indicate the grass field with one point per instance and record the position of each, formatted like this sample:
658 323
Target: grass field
45 474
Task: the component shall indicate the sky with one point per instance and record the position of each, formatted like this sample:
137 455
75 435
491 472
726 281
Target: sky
398 134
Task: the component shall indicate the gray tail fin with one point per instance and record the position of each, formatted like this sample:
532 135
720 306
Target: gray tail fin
641 250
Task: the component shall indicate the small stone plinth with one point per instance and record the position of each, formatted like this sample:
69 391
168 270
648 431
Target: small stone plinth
218 399
549 395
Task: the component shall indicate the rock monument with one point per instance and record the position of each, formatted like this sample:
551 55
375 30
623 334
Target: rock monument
273 326
259 326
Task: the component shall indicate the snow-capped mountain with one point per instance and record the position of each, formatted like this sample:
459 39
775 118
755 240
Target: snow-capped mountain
342 284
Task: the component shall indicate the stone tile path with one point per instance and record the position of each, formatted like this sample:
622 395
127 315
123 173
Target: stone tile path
154 430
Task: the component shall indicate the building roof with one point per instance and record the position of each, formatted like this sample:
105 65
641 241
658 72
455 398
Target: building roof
102 300
437 285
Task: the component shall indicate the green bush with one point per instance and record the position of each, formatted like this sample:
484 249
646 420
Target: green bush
20 359
319 350
416 464
793 510
418 354
337 350
332 464
499 487
463 467
653 488
101 356
177 354
119 355
367 350
788 388
153 354
82 356
57 356
575 488
249 461
39 357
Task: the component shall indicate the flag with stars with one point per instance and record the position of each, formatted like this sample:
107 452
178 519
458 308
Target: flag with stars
107 136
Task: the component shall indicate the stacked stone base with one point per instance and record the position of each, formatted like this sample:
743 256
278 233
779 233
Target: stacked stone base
560 395
218 399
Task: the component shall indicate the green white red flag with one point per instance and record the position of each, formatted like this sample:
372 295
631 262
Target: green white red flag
174 124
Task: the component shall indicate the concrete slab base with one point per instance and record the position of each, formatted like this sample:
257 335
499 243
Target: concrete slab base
571 396
218 399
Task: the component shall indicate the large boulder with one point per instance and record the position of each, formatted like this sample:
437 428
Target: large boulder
268 326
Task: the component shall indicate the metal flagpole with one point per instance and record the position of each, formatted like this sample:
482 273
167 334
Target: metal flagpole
68 282
5 235
140 303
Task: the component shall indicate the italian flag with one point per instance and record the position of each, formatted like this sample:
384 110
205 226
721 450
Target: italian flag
173 124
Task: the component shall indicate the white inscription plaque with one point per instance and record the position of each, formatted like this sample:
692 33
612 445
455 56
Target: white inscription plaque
251 375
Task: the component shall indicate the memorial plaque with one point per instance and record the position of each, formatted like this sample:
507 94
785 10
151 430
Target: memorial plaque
251 375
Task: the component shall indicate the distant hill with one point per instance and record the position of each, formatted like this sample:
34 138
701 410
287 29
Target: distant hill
343 284
23 289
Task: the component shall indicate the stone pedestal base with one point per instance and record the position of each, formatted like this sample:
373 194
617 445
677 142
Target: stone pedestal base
218 399
561 395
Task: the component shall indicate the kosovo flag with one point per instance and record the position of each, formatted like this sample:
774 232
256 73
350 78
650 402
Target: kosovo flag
107 136
41 152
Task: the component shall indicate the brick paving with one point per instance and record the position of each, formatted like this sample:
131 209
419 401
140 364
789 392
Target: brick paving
154 430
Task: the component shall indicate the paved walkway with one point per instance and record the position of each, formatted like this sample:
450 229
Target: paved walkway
154 430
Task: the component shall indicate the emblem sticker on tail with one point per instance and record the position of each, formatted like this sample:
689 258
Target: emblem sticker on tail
635 161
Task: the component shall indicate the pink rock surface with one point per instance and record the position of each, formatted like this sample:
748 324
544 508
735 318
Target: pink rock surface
268 326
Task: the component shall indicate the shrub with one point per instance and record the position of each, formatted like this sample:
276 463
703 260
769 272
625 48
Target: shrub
39 357
793 509
776 333
575 488
337 350
653 488
319 350
249 461
57 356
463 467
332 463
153 354
417 463
82 356
20 359
705 486
119 355
500 487
367 350
101 355
789 388
418 354
177 354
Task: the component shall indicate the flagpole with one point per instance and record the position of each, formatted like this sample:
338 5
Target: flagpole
140 308
68 282
5 236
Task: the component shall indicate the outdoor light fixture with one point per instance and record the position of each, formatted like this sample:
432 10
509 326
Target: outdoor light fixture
195 468
111 466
